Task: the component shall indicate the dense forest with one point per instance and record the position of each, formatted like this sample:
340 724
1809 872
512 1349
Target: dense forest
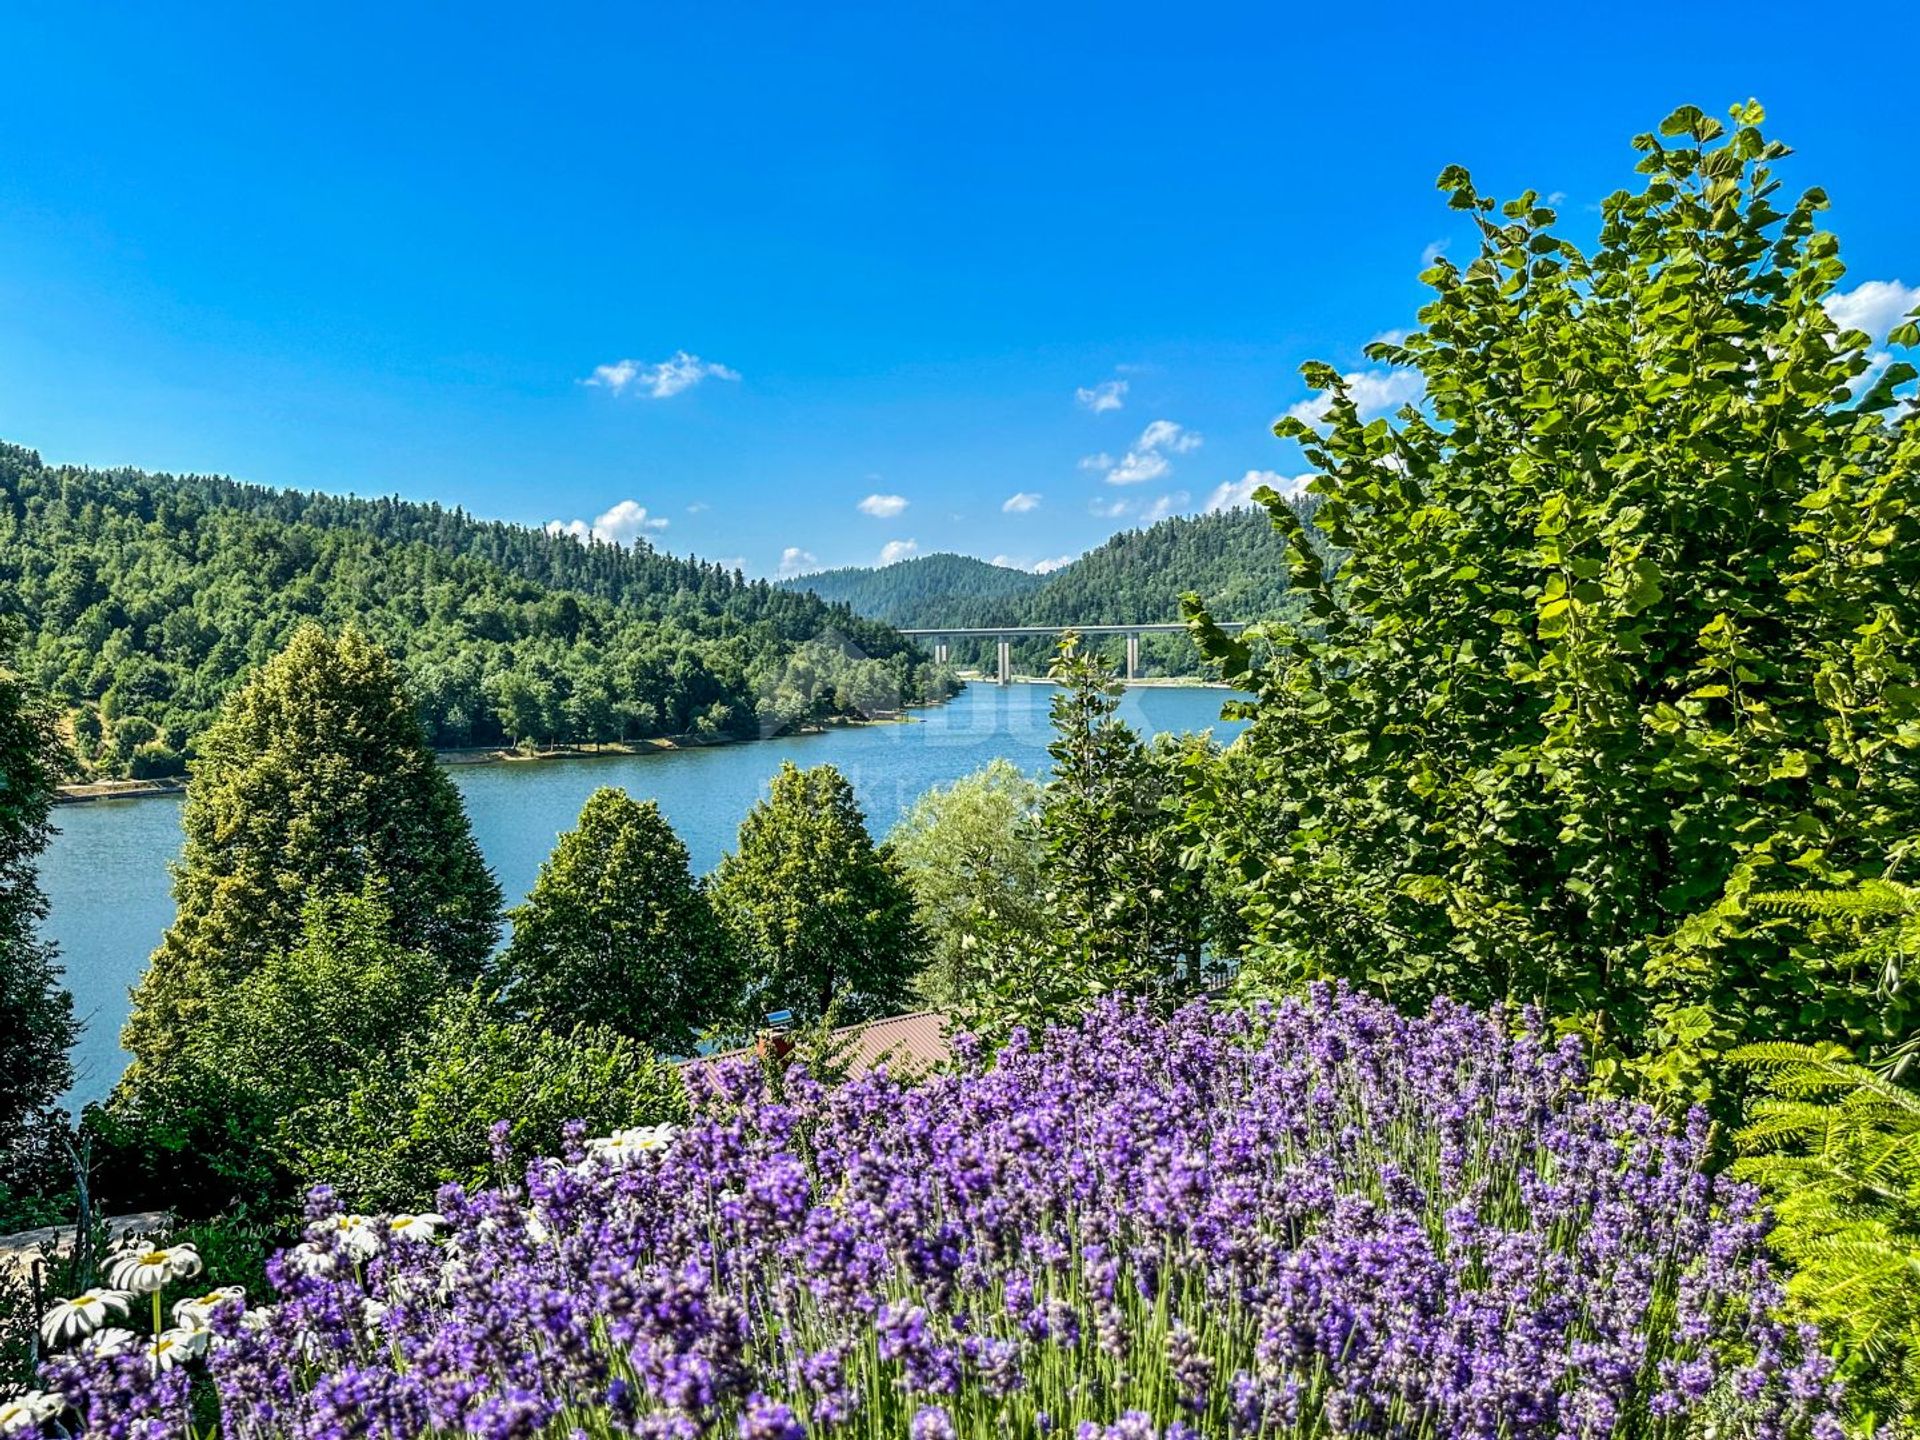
1234 559
926 590
138 600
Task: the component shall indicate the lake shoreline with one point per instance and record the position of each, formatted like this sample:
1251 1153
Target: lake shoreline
86 792
106 870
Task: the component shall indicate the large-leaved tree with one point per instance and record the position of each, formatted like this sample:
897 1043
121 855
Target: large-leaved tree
1625 628
972 853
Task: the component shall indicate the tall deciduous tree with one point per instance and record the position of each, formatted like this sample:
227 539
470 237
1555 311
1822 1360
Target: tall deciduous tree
36 1014
1626 629
315 780
820 914
973 855
618 933
225 1122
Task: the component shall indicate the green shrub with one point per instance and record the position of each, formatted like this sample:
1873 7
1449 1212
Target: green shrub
421 1117
156 760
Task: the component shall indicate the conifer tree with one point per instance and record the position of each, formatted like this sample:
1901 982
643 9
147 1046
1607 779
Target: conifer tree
618 933
1129 917
36 1014
823 917
315 780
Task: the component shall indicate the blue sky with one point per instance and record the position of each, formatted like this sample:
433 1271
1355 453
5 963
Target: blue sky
719 274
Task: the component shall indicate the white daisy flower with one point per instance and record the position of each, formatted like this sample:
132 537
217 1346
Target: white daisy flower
359 1235
625 1145
175 1347
415 1227
195 1313
27 1410
372 1312
82 1314
144 1269
110 1341
311 1259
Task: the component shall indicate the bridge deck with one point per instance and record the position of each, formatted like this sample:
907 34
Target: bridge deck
1013 630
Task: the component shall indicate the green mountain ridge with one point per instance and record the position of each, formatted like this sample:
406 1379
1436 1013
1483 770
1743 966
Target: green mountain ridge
1234 559
138 600
916 591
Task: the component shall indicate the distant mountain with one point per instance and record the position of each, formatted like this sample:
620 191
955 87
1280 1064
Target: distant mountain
1234 559
924 590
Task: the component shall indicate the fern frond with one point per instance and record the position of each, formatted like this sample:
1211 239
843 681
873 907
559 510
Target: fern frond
1837 1148
1869 897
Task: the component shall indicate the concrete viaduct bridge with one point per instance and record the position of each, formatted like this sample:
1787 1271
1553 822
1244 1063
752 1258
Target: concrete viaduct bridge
1005 635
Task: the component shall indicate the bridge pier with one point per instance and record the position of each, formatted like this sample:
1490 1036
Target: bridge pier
1003 637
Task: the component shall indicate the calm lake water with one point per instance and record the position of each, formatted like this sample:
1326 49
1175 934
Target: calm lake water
106 877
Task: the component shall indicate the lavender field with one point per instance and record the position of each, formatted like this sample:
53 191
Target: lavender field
1314 1218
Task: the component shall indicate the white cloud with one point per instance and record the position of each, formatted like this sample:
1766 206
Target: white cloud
1020 503
697 506
1165 435
1137 467
883 507
1037 567
1435 249
623 524
795 561
1107 395
1164 506
661 378
732 562
1374 393
1109 509
1238 494
1147 460
897 550
1875 306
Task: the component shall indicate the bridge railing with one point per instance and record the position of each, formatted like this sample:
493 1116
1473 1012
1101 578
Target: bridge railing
1005 635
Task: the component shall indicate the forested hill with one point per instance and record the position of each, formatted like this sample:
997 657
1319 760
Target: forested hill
1233 558
921 590
138 600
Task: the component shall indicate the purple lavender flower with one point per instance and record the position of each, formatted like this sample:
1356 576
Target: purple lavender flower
1317 1216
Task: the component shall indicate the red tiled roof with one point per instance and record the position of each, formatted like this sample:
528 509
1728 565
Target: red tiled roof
905 1043
918 1041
